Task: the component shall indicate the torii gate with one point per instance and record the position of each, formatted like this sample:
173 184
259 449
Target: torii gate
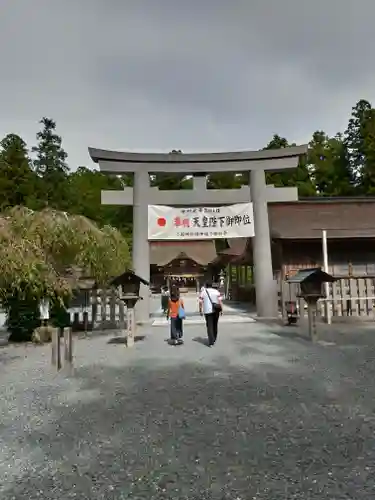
199 165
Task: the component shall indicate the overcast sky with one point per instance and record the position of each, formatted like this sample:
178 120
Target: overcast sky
195 75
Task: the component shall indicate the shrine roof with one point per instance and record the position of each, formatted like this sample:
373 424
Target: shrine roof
237 246
342 218
164 252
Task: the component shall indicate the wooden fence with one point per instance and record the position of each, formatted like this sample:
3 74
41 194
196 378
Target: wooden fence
93 310
97 309
348 296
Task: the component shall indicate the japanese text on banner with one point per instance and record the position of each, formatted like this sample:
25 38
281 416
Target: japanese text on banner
201 222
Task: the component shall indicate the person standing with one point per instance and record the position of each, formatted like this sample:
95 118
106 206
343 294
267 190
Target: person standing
176 315
164 299
210 305
174 290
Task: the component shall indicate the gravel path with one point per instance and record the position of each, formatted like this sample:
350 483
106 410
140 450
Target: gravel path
256 417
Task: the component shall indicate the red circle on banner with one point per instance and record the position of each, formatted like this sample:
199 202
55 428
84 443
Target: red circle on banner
161 221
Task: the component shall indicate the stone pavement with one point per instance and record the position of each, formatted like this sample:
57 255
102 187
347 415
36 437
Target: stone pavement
256 417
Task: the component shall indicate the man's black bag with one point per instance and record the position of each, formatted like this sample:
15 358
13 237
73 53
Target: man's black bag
216 307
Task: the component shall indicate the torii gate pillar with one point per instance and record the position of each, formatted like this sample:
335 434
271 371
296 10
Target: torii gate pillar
265 287
141 247
142 195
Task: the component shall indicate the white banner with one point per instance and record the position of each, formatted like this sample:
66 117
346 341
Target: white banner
200 223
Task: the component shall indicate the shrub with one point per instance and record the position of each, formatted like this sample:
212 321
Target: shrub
43 254
22 317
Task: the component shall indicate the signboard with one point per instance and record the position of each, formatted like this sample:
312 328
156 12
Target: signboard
200 223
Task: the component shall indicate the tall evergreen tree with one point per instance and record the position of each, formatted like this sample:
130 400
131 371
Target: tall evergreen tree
17 179
367 174
330 167
354 137
50 164
279 179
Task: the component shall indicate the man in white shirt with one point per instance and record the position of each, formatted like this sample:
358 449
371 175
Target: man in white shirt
210 304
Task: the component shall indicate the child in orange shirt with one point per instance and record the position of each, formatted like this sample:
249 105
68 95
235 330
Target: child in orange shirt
175 308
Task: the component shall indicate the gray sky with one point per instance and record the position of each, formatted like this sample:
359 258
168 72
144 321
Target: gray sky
195 75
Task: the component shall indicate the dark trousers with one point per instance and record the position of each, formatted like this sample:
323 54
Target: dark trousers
212 321
176 328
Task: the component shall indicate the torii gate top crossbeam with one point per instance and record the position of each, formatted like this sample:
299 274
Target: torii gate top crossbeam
117 162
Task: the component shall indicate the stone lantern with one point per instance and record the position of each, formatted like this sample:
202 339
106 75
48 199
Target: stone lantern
311 284
129 284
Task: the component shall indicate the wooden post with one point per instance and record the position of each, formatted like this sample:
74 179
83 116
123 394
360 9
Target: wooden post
103 302
68 347
94 307
228 285
85 322
76 320
56 351
327 303
282 284
112 308
130 318
311 311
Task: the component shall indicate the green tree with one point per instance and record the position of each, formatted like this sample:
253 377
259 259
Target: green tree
85 187
18 182
328 160
226 180
367 173
50 165
279 179
354 136
171 180
277 142
298 177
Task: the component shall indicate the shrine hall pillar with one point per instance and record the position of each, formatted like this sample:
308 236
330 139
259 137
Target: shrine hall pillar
266 290
141 250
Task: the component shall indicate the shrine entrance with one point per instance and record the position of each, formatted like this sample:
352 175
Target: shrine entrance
185 282
199 165
185 262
